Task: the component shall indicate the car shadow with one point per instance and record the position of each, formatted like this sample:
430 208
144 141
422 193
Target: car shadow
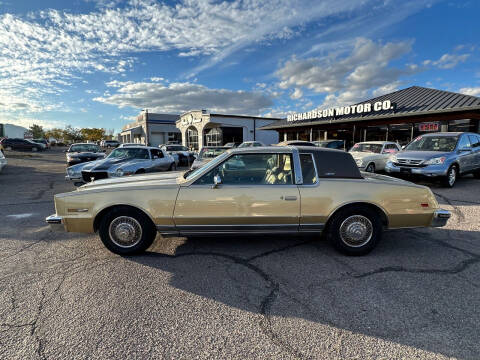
417 288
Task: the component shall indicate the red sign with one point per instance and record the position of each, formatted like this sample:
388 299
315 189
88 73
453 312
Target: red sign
433 126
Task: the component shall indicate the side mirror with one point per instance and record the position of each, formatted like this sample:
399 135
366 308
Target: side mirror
217 181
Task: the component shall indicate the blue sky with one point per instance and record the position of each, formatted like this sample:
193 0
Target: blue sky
97 63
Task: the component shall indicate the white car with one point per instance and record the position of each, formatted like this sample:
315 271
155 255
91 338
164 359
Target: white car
3 161
130 145
372 156
251 144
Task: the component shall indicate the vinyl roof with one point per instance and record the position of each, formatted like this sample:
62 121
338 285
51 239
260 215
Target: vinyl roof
415 100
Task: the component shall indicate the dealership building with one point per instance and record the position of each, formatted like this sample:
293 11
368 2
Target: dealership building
201 128
399 116
152 129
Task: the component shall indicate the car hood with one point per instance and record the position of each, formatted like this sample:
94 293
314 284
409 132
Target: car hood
109 164
420 155
168 178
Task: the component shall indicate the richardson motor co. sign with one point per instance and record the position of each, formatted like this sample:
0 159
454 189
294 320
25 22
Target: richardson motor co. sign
343 110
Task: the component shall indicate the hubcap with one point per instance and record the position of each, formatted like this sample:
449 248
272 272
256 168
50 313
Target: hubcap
125 231
370 168
356 230
452 176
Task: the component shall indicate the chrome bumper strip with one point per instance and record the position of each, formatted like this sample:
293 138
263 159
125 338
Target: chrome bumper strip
440 218
55 222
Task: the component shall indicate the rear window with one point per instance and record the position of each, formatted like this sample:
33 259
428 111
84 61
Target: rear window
309 173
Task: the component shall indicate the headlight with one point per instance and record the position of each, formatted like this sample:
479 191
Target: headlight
70 172
359 162
435 161
119 172
393 158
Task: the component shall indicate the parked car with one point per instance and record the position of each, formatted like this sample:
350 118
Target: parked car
444 156
185 156
372 156
207 154
83 152
20 144
2 150
110 143
331 144
122 162
295 143
251 144
130 144
232 144
42 141
3 160
251 191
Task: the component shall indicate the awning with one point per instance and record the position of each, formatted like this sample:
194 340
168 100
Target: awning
137 130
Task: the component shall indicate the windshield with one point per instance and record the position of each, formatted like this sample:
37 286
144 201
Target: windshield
433 143
210 153
129 153
372 148
84 148
191 174
176 148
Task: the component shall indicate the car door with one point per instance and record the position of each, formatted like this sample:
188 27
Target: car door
159 162
465 154
475 144
257 194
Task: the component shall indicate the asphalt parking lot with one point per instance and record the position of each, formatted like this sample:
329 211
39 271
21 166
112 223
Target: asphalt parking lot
64 296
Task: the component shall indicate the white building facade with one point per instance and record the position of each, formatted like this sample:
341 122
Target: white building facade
152 129
200 128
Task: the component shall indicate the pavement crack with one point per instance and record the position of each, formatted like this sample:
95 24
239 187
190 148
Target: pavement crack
274 251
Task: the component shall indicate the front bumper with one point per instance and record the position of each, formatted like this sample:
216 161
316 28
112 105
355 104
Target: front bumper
427 171
55 222
440 218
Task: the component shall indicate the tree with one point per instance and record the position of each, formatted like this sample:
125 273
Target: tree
72 134
54 133
37 131
93 134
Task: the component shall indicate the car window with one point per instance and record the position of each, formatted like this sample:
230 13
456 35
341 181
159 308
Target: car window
464 143
367 147
156 153
129 153
433 143
474 140
252 169
84 148
309 173
210 153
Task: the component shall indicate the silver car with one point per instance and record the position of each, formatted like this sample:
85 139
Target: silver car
443 156
122 162
372 156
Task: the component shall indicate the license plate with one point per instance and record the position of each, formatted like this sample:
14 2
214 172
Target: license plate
406 170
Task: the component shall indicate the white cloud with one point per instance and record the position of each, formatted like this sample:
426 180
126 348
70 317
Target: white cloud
449 61
296 94
474 91
349 75
180 97
27 122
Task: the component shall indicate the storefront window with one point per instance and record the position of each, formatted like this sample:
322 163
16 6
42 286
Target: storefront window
213 137
192 138
174 137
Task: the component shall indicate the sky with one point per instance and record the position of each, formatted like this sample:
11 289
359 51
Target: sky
98 63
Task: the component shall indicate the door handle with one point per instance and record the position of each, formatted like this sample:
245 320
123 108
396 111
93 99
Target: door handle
288 198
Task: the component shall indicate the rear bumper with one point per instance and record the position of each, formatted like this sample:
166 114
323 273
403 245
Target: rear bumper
55 222
440 218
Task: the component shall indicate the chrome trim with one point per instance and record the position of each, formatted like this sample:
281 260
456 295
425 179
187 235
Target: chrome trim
297 167
440 218
311 227
55 222
316 171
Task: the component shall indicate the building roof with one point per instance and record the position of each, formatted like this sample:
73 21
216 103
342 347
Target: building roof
412 101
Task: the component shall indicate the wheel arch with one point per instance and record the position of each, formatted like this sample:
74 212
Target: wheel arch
378 209
104 211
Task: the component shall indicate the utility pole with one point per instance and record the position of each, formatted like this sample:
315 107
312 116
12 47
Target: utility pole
147 137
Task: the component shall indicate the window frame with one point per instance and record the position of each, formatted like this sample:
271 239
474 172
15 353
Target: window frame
315 184
293 163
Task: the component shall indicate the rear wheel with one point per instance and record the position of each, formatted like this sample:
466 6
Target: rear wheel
126 231
370 168
451 178
355 230
172 167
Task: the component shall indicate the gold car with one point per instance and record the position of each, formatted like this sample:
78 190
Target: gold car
251 190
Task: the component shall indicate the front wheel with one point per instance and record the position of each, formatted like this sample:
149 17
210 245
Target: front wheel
126 231
451 178
370 168
355 230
